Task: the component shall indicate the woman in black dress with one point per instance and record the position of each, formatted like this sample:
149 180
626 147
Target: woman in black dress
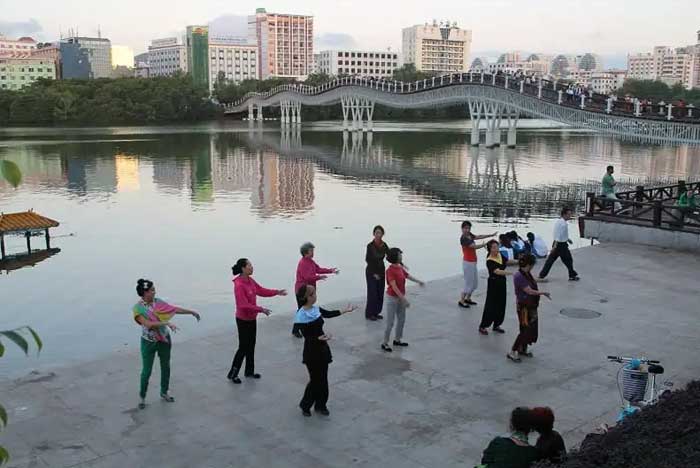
317 353
374 273
495 305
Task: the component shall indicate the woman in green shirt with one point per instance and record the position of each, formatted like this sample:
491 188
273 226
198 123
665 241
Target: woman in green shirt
513 450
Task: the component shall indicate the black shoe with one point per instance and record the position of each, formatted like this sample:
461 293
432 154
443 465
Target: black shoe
498 330
575 278
305 412
380 317
386 348
323 411
400 343
463 304
235 379
373 318
470 302
298 334
252 376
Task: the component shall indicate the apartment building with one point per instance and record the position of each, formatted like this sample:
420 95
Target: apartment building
371 63
437 48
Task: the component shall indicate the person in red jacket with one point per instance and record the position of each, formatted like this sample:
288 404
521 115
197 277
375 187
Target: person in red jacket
246 291
308 273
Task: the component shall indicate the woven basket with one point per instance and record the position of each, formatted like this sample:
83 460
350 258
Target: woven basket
634 385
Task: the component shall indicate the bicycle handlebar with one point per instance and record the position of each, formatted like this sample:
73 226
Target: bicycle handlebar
629 359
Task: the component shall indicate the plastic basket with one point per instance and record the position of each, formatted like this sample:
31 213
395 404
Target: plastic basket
634 385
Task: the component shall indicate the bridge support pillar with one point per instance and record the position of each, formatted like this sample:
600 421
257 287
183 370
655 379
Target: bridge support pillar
294 113
250 112
475 114
260 112
475 134
512 118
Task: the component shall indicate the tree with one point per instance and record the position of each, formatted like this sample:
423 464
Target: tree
17 337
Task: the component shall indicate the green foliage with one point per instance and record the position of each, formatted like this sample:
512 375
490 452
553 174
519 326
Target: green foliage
106 102
17 336
659 91
408 73
11 173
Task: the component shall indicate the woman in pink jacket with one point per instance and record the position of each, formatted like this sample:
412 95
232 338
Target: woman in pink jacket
246 291
308 273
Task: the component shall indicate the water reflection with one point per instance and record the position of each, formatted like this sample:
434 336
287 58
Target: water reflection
19 261
278 169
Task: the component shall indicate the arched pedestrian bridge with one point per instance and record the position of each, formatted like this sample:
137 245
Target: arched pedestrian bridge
497 99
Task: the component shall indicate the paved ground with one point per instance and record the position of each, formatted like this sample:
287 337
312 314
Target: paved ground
436 403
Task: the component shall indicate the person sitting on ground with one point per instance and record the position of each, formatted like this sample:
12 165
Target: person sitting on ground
513 450
505 247
550 444
538 247
517 244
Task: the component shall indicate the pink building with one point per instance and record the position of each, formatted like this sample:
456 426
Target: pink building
285 43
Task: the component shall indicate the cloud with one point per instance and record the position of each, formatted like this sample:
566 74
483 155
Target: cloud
16 29
334 41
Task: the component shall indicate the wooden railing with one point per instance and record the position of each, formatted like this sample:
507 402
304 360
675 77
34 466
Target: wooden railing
655 206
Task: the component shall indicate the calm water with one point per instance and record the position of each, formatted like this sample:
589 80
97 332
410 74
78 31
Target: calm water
179 204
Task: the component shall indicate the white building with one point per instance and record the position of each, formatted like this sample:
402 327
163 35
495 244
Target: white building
439 48
602 82
679 65
232 59
167 57
608 81
373 63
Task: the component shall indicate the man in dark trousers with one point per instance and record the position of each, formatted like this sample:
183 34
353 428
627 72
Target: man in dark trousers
560 246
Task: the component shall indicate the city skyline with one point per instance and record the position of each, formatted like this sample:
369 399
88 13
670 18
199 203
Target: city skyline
497 25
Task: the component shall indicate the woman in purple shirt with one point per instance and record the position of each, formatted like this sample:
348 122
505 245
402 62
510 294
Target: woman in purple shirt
527 297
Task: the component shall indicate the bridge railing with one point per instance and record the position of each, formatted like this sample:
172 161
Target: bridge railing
554 91
656 207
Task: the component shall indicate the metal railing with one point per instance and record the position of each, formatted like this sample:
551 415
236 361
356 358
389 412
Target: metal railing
656 207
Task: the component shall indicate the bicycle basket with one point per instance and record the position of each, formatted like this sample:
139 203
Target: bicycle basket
634 385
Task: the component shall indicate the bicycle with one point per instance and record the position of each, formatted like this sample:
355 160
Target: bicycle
637 383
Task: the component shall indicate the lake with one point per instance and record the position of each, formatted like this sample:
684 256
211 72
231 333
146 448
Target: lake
180 204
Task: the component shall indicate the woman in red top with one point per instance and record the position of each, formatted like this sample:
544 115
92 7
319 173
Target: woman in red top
396 303
246 291
308 273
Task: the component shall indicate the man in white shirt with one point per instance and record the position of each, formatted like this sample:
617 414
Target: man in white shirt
560 246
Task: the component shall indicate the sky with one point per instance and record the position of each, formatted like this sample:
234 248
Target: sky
611 28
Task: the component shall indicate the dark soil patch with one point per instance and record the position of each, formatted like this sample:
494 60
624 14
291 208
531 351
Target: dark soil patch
666 435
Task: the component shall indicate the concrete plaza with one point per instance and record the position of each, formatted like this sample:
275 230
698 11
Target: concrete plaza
436 403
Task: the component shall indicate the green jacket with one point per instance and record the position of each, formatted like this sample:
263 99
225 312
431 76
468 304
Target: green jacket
502 452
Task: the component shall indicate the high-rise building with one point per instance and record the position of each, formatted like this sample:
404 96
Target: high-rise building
86 57
679 65
167 57
20 69
197 43
437 48
285 43
373 63
232 59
